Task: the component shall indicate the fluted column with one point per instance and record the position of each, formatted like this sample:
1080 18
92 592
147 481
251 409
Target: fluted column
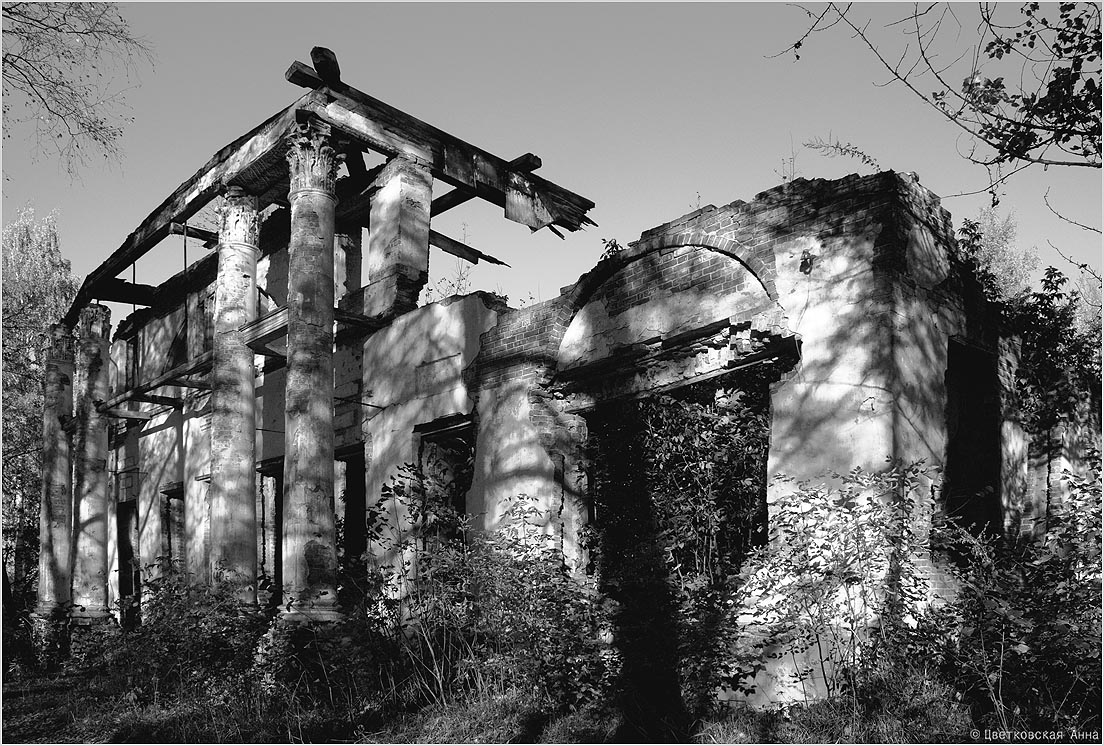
233 418
93 508
55 524
309 548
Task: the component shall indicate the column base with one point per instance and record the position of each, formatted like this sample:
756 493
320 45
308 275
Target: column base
88 616
50 634
311 614
90 635
323 608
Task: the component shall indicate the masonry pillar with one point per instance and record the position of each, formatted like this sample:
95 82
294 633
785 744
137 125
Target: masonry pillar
398 238
233 417
93 508
309 540
347 254
55 521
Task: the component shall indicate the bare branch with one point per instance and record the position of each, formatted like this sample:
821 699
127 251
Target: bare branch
1080 265
1059 215
60 62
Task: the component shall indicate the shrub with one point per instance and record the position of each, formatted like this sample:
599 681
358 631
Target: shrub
488 612
1026 653
839 579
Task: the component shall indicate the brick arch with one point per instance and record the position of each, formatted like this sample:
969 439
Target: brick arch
755 262
580 293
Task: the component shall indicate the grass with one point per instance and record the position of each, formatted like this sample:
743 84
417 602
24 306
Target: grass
70 707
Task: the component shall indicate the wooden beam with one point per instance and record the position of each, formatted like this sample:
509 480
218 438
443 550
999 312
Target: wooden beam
126 414
167 401
355 319
527 198
354 195
258 333
527 163
209 238
120 291
465 252
189 383
195 365
189 198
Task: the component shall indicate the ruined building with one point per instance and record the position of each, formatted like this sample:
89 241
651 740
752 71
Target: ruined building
216 425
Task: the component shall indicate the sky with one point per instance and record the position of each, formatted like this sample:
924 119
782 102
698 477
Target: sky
648 109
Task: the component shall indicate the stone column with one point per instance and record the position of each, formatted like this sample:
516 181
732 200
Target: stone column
398 238
55 521
309 541
93 507
233 418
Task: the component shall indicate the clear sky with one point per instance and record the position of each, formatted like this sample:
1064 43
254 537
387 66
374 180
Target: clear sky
649 110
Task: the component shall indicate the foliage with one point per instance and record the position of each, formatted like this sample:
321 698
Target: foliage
678 487
458 283
832 147
59 62
1030 90
837 580
1003 267
488 611
611 247
1059 373
1027 654
38 286
1016 641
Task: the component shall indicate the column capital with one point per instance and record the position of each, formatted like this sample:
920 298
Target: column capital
240 222
95 321
312 159
61 343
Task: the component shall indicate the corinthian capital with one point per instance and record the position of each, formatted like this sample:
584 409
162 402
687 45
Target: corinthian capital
312 160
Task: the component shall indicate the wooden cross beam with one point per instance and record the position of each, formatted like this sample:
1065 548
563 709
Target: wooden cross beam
527 198
527 163
120 291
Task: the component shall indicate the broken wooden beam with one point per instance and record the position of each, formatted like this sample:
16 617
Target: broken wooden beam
527 163
465 252
120 291
349 318
189 198
528 198
210 239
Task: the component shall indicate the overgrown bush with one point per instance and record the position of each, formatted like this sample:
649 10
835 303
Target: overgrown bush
488 612
837 581
1026 654
845 579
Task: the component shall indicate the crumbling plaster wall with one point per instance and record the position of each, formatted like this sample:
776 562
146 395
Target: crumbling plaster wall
861 269
413 375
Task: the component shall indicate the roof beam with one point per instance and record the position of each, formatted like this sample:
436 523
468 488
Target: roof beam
127 414
528 199
120 291
527 163
465 252
195 365
189 198
210 239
